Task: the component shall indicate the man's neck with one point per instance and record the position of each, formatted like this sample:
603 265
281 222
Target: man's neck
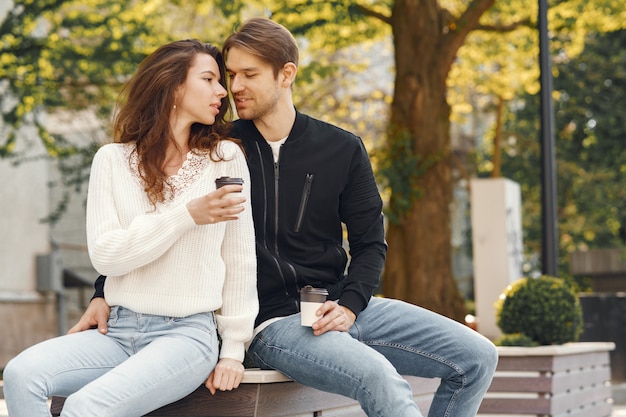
278 124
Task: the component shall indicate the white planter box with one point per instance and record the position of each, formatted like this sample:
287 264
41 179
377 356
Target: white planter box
571 380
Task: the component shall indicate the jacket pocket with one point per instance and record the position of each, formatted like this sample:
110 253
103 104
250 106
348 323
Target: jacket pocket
304 201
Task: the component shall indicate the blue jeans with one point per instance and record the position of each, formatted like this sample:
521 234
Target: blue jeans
390 338
141 364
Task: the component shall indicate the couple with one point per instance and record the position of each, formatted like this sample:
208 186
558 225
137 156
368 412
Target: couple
306 178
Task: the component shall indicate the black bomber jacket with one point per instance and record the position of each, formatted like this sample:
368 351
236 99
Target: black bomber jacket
323 178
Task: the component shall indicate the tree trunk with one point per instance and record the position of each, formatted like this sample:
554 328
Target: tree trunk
419 264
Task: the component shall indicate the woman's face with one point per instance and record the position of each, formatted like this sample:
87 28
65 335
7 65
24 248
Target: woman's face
199 98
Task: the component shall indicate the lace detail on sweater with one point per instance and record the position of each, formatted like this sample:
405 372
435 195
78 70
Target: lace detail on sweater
193 165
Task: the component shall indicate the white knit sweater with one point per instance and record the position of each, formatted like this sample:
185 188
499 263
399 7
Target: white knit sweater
158 261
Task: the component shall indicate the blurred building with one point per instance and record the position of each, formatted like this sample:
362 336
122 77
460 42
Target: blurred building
45 273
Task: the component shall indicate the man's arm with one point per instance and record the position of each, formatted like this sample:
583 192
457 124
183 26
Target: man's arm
99 287
361 211
97 313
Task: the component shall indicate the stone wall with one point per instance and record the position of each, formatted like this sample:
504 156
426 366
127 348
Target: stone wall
26 322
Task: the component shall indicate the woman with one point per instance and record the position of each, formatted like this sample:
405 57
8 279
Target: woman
180 259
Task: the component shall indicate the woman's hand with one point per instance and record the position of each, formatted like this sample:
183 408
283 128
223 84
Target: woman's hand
216 206
226 376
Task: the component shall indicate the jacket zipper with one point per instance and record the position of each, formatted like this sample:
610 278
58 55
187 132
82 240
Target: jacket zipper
276 219
276 178
265 214
258 149
308 181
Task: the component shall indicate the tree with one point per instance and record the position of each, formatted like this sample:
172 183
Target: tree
419 266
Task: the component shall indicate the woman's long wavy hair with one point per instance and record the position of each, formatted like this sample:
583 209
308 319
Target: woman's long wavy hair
145 104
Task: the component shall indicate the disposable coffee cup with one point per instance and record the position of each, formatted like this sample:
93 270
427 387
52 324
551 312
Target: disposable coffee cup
311 299
222 181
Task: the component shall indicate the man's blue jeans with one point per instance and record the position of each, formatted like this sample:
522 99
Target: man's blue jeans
390 338
143 363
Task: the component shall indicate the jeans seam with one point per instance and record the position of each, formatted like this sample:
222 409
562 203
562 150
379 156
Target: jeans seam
439 359
454 395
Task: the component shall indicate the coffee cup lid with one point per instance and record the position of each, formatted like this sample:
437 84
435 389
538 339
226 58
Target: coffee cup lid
229 180
312 290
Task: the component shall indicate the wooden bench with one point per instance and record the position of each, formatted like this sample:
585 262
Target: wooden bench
271 394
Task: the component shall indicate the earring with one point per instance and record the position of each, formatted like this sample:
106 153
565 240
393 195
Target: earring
174 106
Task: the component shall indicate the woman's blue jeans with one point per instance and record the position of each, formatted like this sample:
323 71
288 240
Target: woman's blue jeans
390 338
141 364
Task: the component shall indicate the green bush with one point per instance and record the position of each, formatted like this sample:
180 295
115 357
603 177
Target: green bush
516 339
545 310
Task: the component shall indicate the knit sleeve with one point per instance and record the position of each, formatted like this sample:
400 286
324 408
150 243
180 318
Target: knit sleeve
114 248
240 305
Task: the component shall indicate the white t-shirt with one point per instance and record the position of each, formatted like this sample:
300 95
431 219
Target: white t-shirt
276 147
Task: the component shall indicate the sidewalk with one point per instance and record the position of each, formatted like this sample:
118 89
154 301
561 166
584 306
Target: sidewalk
619 408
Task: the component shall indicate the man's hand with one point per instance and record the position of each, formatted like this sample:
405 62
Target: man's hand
226 376
96 315
333 317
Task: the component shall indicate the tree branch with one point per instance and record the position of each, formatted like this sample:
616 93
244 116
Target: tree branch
458 29
371 13
470 17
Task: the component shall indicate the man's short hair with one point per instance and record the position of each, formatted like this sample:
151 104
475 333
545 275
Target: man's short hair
266 39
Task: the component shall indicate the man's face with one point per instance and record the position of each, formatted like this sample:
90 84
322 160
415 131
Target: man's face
254 88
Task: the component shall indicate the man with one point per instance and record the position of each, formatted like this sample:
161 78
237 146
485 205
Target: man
309 177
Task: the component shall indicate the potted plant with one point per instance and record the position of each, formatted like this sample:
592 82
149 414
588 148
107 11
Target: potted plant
542 367
539 311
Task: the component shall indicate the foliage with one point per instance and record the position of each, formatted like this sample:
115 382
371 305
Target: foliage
499 66
588 128
400 168
62 56
74 55
500 58
55 55
546 310
59 57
